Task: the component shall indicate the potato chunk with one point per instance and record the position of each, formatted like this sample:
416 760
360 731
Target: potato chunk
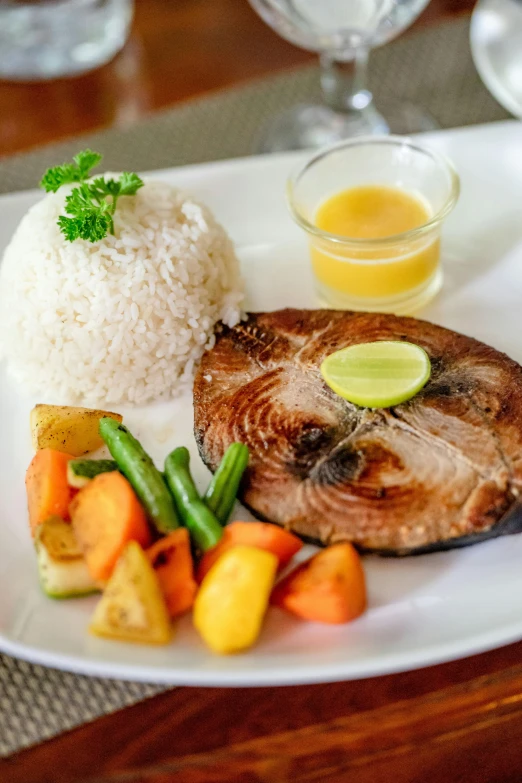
67 428
132 608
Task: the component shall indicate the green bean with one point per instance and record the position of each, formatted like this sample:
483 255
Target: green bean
138 467
195 515
203 525
222 490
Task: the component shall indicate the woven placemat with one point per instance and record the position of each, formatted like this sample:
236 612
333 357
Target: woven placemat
37 703
432 68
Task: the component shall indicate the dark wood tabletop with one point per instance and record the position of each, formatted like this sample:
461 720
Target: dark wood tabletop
178 49
458 722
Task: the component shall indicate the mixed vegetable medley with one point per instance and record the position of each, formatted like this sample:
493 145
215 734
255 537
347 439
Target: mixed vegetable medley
156 549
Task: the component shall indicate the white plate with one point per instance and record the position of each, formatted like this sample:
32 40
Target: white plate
496 46
423 610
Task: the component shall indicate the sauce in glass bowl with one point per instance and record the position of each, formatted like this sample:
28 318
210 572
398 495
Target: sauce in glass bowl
373 210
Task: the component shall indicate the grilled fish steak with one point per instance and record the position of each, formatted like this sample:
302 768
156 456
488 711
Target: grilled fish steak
439 471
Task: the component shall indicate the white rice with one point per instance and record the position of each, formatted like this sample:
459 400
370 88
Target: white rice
123 320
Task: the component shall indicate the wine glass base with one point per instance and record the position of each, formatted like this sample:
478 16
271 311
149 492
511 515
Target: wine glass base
311 126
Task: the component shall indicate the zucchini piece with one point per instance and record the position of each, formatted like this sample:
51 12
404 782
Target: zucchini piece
61 566
81 471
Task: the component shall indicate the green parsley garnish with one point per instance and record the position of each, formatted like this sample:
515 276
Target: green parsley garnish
92 204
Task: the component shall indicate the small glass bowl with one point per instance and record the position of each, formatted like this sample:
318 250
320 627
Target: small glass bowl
395 274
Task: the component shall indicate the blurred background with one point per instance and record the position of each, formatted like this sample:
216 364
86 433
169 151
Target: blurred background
177 50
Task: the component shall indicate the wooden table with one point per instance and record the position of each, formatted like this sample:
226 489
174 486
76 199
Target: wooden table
178 49
456 723
460 721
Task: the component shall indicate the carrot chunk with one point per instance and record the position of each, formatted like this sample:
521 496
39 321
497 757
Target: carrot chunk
171 559
48 492
106 515
328 588
261 535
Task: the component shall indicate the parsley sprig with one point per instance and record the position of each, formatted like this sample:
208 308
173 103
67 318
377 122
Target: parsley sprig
92 204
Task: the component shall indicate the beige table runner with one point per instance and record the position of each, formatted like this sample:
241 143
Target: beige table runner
432 68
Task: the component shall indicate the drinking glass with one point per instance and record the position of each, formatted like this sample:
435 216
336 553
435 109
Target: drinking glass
47 39
342 32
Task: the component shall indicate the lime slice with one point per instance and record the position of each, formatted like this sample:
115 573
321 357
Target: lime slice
377 375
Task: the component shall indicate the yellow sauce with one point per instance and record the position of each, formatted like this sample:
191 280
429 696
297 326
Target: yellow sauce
384 269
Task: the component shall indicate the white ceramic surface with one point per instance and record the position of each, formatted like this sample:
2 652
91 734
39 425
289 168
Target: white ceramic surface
423 610
496 46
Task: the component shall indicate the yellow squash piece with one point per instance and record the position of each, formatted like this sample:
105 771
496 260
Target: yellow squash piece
233 598
132 608
67 428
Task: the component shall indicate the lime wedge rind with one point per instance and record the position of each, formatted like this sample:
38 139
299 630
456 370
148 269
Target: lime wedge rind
379 374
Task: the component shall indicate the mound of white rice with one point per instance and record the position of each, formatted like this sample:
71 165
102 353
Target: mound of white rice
122 320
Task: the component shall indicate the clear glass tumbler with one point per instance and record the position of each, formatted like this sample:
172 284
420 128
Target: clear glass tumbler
48 39
395 274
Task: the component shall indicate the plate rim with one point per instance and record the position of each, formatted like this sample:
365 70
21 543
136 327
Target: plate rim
288 675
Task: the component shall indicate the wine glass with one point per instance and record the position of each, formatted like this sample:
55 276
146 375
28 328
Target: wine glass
342 32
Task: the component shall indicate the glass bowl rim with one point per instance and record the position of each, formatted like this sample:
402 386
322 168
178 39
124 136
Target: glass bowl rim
440 159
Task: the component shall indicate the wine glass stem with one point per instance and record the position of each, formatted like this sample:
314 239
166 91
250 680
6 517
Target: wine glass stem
344 84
